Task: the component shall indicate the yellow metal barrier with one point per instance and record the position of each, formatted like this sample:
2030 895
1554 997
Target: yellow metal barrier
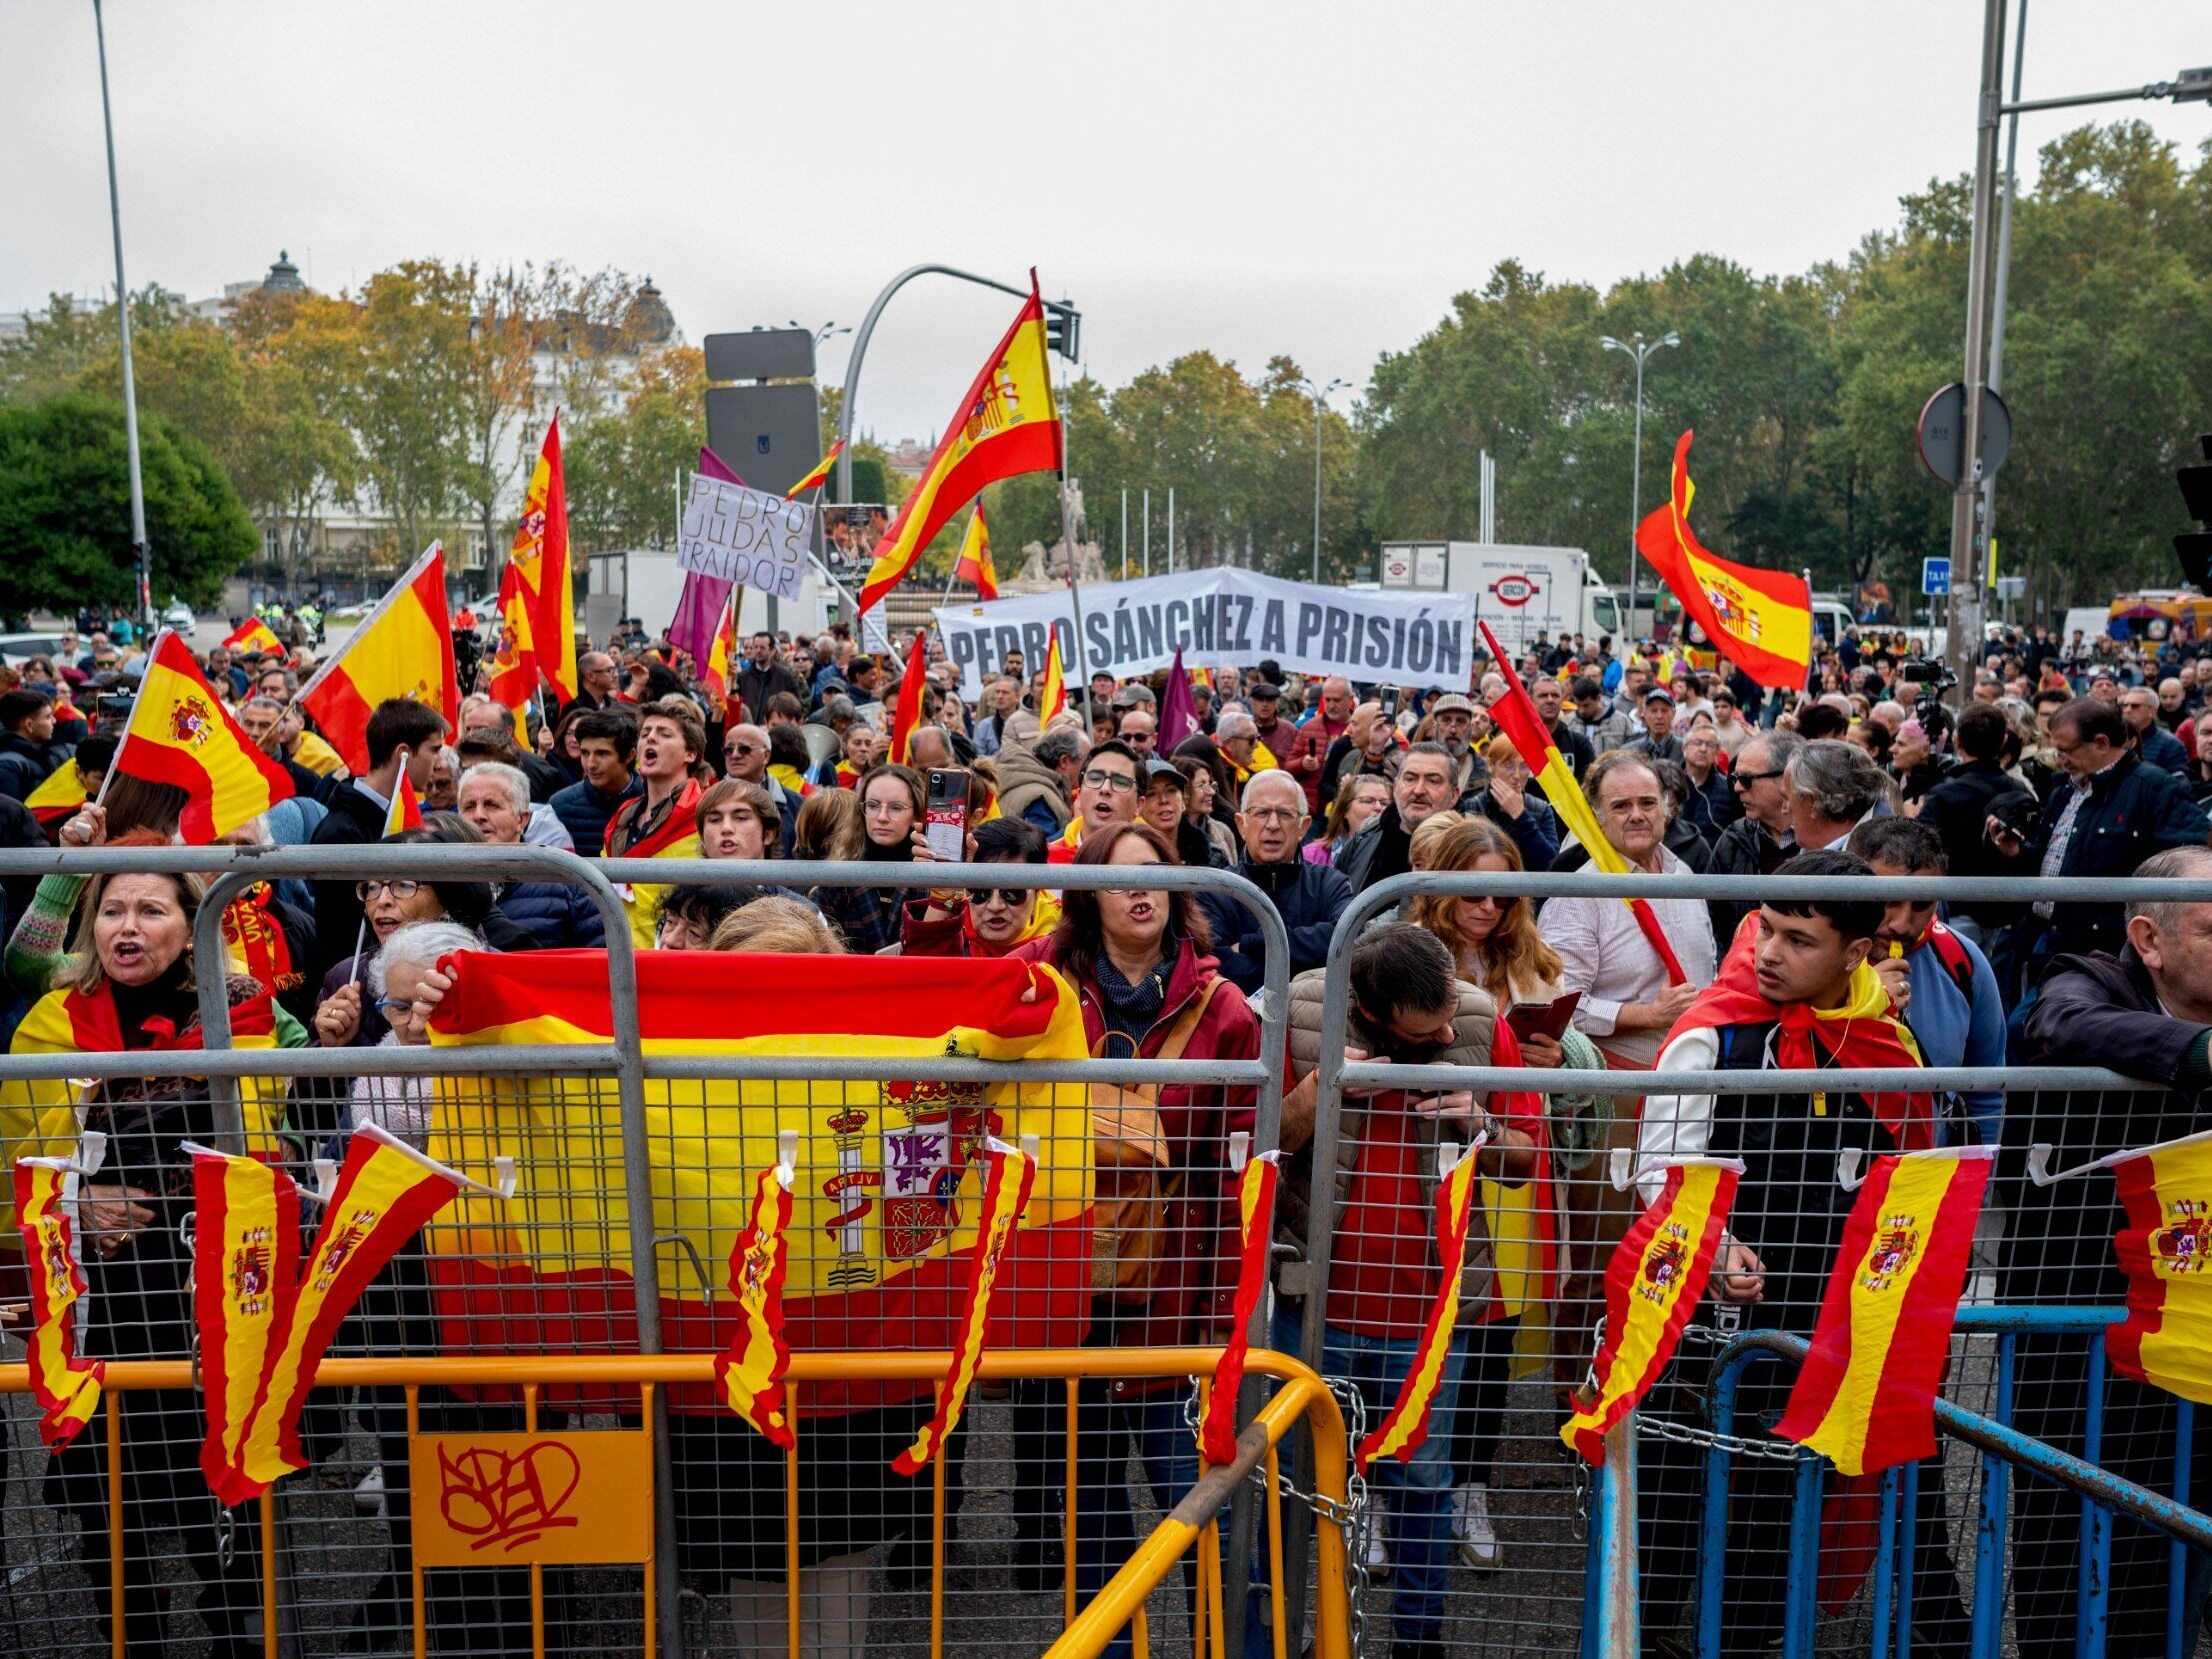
1299 1396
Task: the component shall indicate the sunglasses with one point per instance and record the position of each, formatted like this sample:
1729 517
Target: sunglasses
1744 780
1011 897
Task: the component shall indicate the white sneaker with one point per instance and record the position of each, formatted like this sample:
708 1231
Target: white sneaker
1478 1539
1372 1548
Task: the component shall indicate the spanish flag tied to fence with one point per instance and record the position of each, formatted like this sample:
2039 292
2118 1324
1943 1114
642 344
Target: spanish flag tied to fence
180 733
1516 716
1523 1225
245 1261
403 648
1762 620
817 473
64 1383
1052 702
1865 1396
1652 1285
750 1370
906 714
974 564
889 1176
1005 426
1009 1173
1406 1426
2165 1249
540 554
253 634
1217 1430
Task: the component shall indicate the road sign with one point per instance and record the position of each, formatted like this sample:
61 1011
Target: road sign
1942 432
2012 587
1935 577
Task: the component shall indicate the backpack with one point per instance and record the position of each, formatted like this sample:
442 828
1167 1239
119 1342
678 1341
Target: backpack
1951 951
1129 1223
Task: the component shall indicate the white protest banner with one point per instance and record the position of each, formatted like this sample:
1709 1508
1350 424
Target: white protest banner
749 537
1223 615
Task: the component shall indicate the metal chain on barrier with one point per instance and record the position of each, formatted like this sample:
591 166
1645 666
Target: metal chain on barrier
1347 1517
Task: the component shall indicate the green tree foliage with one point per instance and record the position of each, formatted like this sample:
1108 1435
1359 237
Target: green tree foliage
65 509
626 466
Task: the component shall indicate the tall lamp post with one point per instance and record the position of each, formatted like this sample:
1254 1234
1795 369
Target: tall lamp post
1640 349
1320 396
139 545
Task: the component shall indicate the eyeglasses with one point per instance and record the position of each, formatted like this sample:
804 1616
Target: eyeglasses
1011 897
1744 780
741 748
887 809
1274 814
1120 783
399 889
392 1007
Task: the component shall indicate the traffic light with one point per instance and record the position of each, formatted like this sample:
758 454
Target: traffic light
2195 546
1064 329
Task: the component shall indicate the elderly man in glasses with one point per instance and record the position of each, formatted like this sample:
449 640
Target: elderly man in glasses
1309 897
1761 841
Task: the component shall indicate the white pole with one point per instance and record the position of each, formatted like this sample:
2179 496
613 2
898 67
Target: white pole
1125 534
1171 529
123 323
1148 530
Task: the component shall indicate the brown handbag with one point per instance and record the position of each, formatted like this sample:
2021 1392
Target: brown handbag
1129 1224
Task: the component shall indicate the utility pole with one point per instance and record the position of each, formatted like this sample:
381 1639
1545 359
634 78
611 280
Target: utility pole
1637 347
1967 572
2004 269
139 546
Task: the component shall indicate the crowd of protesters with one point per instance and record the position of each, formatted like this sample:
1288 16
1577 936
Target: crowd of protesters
2059 761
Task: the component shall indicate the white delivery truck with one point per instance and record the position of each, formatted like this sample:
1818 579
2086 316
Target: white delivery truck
1519 591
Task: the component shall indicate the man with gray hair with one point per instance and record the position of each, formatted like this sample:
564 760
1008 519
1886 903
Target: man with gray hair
1309 897
2145 1012
1833 787
495 798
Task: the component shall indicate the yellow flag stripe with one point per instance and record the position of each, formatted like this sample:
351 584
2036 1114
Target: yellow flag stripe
2177 1356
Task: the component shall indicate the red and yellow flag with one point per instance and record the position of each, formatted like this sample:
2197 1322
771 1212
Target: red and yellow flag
714 673
1052 702
1865 1396
1004 427
253 634
405 810
1652 1286
1008 1174
1402 1431
750 1370
2165 1249
974 564
180 733
906 716
819 472
512 679
1217 1430
403 648
64 1383
1516 716
1761 620
56 800
386 1191
540 555
245 1264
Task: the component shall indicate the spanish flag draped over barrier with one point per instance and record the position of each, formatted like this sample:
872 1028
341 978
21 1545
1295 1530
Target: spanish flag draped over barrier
540 554
180 733
1402 1431
245 1261
1652 1286
2166 1339
253 634
750 1370
1762 620
817 473
1865 1396
1217 1430
884 1210
64 1383
1005 426
403 648
974 564
1516 716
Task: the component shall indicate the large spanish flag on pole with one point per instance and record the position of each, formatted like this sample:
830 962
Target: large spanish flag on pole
540 552
906 714
2166 1252
180 733
1652 1286
245 1263
403 648
1406 1426
1865 1396
1761 620
1005 426
512 678
64 1383
1516 716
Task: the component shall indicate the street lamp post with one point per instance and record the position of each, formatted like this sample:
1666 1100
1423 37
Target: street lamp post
139 545
1640 349
1320 396
822 333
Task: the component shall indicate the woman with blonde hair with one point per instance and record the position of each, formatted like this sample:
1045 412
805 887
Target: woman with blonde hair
785 926
828 826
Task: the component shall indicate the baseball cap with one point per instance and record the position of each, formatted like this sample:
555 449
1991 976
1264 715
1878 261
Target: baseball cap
1156 769
1659 694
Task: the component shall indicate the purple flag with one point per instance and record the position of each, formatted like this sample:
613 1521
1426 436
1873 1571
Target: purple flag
699 607
1178 710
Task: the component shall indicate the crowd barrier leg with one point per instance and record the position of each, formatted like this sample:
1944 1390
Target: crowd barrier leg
2177 1553
1804 1579
1885 1572
1991 1525
2090 1609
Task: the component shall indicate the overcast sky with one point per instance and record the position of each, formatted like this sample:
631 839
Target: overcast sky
1309 179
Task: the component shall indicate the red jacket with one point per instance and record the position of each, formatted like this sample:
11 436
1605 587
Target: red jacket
1314 739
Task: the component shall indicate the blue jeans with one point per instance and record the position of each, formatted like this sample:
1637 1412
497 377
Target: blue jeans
1416 1497
1154 1427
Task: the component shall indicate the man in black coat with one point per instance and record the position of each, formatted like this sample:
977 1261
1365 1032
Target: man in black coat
1959 808
763 675
1309 897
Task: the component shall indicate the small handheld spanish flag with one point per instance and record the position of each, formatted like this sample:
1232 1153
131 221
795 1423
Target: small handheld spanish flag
1406 1426
974 564
253 634
180 733
64 1383
750 1370
1052 702
405 810
906 715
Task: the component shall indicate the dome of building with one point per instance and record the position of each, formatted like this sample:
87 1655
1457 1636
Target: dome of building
283 277
647 317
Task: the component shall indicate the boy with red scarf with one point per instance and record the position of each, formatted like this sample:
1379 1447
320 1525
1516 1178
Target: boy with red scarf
1795 992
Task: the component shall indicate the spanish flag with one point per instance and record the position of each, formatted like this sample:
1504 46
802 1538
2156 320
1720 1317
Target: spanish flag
906 715
56 800
1217 1430
886 1204
245 1263
2166 1339
405 810
386 1191
1761 620
1407 1425
1516 716
1523 1227
512 679
1004 427
540 554
819 472
974 564
1652 1286
750 1370
1009 1173
180 733
714 673
1052 702
403 648
64 1383
1865 1396
253 634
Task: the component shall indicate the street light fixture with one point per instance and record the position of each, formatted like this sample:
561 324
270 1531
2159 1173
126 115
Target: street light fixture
826 331
1320 396
1637 347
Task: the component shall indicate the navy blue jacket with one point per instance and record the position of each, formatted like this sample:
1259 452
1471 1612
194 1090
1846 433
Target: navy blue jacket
555 914
2132 811
584 811
1309 897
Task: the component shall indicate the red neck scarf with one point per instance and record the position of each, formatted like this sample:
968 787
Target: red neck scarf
95 1027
